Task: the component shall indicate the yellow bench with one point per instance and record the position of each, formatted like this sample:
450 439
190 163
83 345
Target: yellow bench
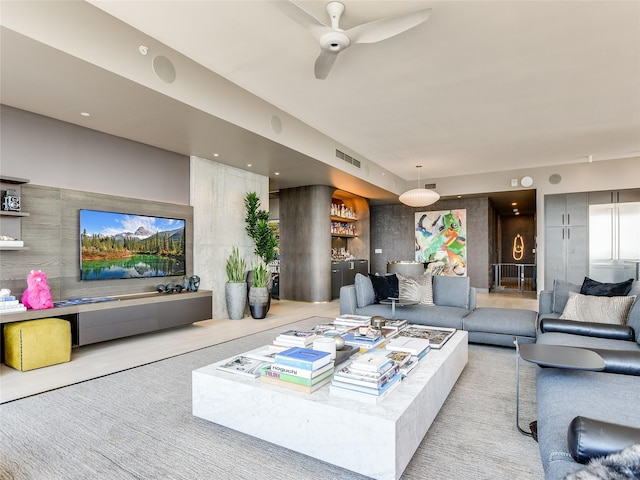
37 343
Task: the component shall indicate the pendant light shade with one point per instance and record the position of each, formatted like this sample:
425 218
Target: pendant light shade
419 197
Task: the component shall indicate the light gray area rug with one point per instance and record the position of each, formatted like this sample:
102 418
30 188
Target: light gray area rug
137 424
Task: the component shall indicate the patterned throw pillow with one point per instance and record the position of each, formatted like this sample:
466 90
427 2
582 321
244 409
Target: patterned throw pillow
416 289
589 308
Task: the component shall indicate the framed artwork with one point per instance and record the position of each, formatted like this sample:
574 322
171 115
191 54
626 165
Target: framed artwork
441 236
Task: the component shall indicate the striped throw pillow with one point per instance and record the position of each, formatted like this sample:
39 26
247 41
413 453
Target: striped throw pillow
589 308
416 289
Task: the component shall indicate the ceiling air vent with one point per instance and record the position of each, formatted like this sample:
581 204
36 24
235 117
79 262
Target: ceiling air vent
430 186
347 158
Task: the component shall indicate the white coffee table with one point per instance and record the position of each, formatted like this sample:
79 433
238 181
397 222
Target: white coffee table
373 440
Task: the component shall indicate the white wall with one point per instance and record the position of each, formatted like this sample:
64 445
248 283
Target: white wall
217 197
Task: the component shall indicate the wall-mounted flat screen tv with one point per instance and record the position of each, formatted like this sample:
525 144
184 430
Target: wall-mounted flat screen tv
119 245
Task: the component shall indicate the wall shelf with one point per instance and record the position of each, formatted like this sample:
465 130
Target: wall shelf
343 219
14 214
13 180
11 221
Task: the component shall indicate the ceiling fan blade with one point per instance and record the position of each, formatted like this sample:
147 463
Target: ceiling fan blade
304 18
379 30
324 62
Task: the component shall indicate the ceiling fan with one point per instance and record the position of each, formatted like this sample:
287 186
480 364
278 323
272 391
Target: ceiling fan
334 40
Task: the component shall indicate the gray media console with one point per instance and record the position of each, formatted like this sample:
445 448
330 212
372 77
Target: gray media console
127 315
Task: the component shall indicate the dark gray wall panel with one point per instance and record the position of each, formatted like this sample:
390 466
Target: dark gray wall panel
305 236
52 233
392 230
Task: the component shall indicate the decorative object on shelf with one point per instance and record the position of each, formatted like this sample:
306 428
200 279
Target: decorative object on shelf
169 288
194 283
419 197
258 292
38 294
10 201
235 290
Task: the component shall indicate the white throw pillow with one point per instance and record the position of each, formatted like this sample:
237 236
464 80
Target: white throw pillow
589 308
416 289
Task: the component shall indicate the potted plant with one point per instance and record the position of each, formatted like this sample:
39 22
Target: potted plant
259 293
262 234
235 290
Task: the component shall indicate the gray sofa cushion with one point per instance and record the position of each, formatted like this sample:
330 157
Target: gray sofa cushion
510 321
365 294
436 316
561 291
592 395
451 291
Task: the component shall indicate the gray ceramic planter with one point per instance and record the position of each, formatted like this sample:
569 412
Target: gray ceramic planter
235 295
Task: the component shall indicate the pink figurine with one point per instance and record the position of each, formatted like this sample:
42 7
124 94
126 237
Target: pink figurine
37 295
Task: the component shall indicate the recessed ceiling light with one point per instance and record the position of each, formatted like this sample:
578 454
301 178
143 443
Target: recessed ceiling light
249 164
276 173
459 196
85 114
216 154
514 204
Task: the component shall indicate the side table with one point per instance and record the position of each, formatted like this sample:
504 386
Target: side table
393 301
555 356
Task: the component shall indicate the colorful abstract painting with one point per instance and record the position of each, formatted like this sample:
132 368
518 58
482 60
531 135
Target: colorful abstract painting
441 236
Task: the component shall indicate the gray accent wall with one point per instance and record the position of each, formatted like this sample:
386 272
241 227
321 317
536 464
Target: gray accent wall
52 233
305 243
392 231
58 154
70 168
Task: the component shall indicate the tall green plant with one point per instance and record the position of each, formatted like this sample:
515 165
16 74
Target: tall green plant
258 228
236 267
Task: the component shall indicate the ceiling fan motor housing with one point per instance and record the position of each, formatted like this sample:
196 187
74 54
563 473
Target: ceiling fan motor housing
334 41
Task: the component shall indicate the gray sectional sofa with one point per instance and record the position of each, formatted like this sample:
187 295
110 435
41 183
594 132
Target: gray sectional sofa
455 307
611 396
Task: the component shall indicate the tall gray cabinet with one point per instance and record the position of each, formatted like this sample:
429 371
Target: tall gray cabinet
566 238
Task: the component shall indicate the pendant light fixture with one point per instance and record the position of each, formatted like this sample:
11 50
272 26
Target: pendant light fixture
419 197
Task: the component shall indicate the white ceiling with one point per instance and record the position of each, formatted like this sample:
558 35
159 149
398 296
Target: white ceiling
482 86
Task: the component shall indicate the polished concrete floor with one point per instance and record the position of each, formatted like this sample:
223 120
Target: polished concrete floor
93 361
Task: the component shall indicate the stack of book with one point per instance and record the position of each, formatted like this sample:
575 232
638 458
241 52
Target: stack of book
300 369
418 347
352 321
294 338
369 378
10 304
